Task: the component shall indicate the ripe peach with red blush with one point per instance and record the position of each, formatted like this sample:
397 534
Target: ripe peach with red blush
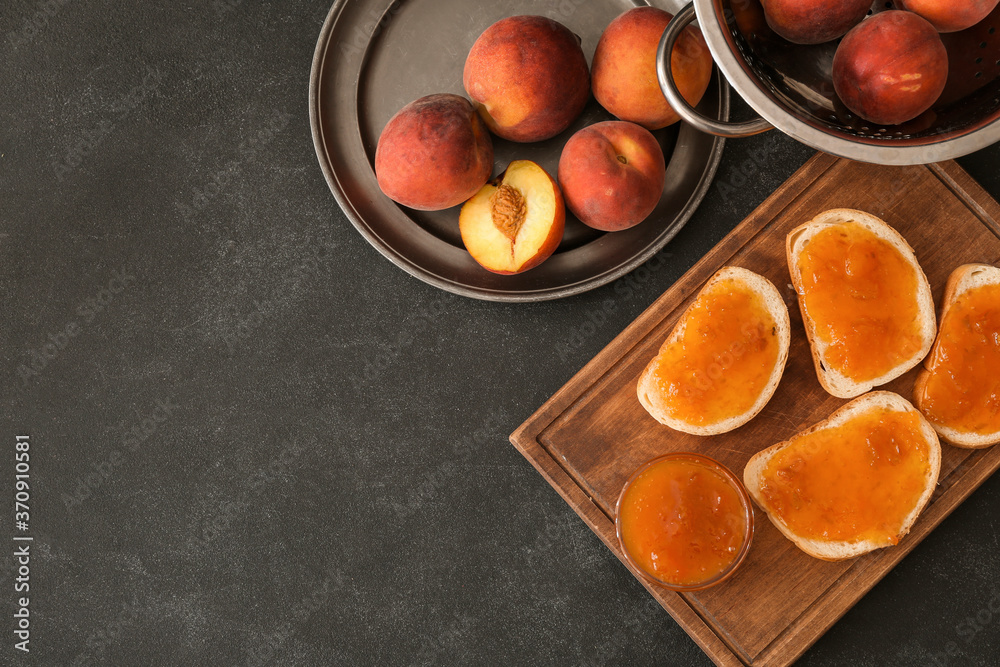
814 21
624 68
612 174
528 76
951 15
434 153
891 68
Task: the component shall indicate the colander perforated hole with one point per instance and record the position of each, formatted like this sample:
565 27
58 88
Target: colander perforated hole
982 45
979 60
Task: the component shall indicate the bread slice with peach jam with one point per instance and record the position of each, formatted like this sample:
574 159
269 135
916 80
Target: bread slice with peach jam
853 483
723 359
959 389
866 303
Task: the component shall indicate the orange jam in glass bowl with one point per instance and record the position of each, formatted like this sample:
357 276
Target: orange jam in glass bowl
684 521
962 390
861 294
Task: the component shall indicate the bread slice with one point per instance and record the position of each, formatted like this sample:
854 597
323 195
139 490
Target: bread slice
961 280
775 305
832 380
841 549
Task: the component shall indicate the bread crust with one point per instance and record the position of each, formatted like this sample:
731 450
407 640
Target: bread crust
833 550
964 278
833 381
779 312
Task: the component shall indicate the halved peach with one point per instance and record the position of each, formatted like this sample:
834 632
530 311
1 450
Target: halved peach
515 222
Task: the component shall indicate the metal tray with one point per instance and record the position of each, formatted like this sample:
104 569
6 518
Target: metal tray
375 56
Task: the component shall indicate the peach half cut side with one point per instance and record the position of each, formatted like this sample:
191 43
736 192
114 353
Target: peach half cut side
515 222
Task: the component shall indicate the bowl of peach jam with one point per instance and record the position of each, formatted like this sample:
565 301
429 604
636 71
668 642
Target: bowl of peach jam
684 521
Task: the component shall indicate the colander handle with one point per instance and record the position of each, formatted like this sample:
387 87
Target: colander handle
677 101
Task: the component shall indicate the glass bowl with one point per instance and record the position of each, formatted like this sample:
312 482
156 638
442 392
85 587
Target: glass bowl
730 480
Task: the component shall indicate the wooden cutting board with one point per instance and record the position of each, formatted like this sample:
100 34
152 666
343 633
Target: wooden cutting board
592 434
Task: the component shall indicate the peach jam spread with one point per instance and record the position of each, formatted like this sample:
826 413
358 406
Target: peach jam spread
722 362
682 521
861 294
857 481
962 390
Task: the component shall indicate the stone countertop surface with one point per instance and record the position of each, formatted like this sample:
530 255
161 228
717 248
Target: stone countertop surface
254 440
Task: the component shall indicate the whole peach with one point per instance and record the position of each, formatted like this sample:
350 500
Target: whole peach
951 15
434 153
890 68
750 19
528 76
611 174
624 69
814 21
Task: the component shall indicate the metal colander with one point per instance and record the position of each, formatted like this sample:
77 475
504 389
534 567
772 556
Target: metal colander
791 87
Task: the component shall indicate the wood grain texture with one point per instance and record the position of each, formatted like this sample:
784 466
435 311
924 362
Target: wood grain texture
589 437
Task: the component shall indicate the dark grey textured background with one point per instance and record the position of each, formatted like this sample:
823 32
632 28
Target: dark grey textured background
264 444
